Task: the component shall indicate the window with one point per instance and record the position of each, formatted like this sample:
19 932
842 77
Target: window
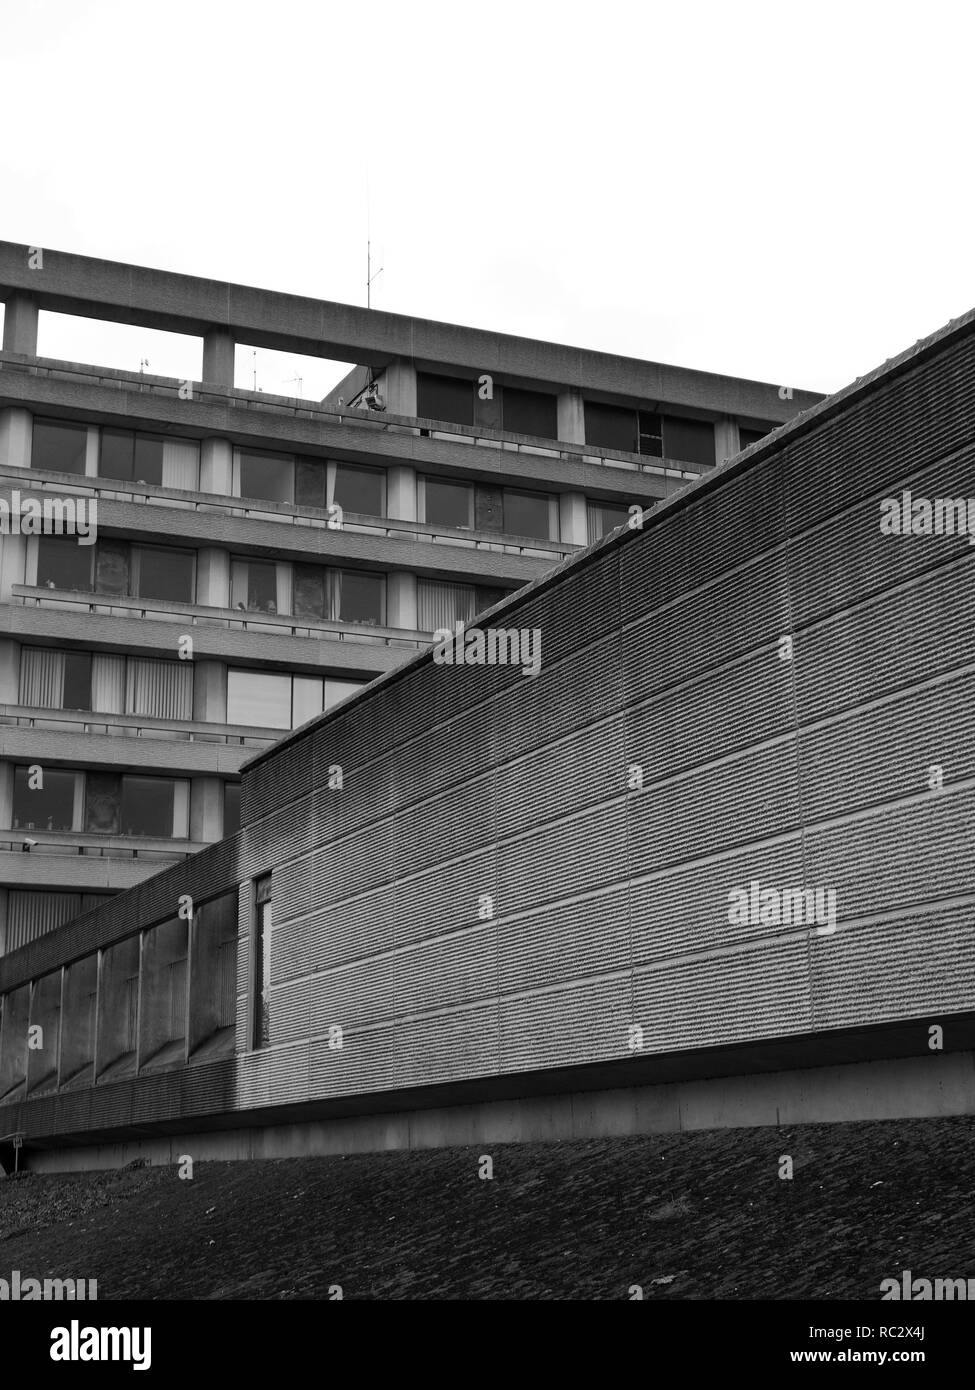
59 447
262 961
64 564
52 679
48 804
131 456
164 574
231 808
611 427
360 597
603 519
310 483
268 476
442 605
106 683
254 586
360 490
689 441
444 398
156 807
530 412
261 699
526 514
448 504
749 435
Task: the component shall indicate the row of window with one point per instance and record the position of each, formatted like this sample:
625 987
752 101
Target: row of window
315 593
110 803
104 683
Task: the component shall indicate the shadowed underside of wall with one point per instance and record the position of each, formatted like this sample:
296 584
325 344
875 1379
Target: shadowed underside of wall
520 876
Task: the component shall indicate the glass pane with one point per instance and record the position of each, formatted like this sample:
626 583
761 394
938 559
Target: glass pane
112 568
148 465
526 514
59 446
260 699
530 412
270 476
166 574
307 697
64 564
254 586
309 593
115 452
310 479
77 680
362 597
444 398
336 690
147 806
103 794
448 504
231 808
690 441
603 519
360 490
46 807
611 427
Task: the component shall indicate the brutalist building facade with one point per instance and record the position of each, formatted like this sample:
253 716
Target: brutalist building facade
678 833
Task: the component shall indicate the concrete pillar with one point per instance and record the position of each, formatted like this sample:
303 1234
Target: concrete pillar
398 385
4 906
401 493
206 809
401 600
9 669
213 577
6 795
571 417
218 357
20 325
217 467
209 692
726 440
573 519
16 432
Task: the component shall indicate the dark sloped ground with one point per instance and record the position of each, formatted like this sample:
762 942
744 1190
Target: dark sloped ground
686 1216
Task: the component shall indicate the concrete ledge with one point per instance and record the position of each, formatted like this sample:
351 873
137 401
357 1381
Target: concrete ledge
901 1088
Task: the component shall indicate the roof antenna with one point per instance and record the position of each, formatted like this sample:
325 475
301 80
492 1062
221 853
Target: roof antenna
369 275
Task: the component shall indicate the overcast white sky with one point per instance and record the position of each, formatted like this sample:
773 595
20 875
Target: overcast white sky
778 191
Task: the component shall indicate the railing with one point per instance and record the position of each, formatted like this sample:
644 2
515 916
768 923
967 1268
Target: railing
260 509
207 393
79 842
196 615
138 726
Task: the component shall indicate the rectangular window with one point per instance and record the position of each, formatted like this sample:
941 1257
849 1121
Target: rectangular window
64 564
311 593
444 398
360 597
360 490
162 689
448 504
231 808
310 483
165 574
307 695
131 457
112 568
748 435
689 441
651 430
526 514
603 519
59 447
611 427
43 800
148 805
530 412
267 476
442 605
77 681
260 699
254 586
262 961
52 679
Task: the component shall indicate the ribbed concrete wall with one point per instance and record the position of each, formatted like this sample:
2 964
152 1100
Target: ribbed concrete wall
609 903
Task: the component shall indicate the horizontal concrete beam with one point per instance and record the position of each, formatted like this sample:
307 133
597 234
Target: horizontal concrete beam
145 754
102 632
71 284
78 873
225 417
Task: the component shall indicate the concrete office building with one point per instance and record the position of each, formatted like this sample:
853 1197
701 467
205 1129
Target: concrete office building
473 905
493 459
